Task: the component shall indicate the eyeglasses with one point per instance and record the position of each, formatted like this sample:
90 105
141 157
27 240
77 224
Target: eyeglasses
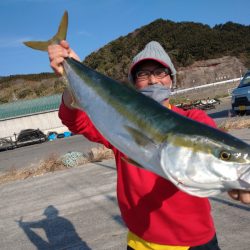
158 73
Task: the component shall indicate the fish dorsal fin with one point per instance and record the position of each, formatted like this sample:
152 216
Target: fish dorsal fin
132 162
140 138
59 36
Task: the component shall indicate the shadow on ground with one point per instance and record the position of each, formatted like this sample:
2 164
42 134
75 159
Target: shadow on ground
220 114
60 232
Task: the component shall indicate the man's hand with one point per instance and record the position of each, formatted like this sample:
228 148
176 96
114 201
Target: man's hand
240 195
57 53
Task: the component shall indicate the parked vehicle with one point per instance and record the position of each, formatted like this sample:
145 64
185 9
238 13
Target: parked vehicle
64 134
241 95
29 137
6 144
51 136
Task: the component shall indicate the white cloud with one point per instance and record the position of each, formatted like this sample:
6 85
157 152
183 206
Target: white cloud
84 33
13 42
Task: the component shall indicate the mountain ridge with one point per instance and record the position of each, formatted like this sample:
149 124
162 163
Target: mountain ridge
200 53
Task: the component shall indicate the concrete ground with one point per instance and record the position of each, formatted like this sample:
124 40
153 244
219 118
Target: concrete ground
77 209
71 209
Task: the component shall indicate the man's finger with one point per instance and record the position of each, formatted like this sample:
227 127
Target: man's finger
234 194
244 196
56 66
64 44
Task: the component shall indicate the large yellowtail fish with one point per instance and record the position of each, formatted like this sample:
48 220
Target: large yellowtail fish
197 158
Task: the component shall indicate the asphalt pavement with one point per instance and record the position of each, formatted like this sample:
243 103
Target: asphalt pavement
33 155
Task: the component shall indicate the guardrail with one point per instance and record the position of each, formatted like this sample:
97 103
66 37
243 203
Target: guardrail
204 86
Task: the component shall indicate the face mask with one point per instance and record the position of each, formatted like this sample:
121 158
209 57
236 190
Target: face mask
157 91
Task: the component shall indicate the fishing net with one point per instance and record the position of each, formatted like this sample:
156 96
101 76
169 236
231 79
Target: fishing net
74 159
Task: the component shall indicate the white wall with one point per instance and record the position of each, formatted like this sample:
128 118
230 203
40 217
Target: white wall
45 122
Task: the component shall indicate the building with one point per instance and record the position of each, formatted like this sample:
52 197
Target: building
40 113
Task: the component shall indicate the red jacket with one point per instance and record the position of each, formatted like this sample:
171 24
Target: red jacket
152 207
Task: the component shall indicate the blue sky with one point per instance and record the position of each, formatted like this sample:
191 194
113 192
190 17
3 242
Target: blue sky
94 23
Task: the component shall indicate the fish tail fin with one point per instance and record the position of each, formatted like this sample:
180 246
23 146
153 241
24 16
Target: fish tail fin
59 36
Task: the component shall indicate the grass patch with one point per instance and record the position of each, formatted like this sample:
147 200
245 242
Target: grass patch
178 100
235 123
221 96
55 163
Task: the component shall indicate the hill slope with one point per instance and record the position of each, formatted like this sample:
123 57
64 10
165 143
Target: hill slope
186 43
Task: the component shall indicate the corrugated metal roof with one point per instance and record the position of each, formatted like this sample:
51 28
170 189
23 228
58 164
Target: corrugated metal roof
29 107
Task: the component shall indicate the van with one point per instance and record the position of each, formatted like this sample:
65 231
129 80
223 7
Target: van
241 96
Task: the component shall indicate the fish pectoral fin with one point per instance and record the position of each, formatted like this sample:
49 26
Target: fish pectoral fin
130 161
140 138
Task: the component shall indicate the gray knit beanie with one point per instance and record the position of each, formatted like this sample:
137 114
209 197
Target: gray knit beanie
153 51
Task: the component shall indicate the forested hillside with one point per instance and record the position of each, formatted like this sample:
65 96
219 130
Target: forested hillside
186 42
200 53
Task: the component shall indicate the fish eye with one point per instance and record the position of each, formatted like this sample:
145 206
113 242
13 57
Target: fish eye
225 156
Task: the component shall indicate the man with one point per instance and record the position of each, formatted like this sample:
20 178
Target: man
157 214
